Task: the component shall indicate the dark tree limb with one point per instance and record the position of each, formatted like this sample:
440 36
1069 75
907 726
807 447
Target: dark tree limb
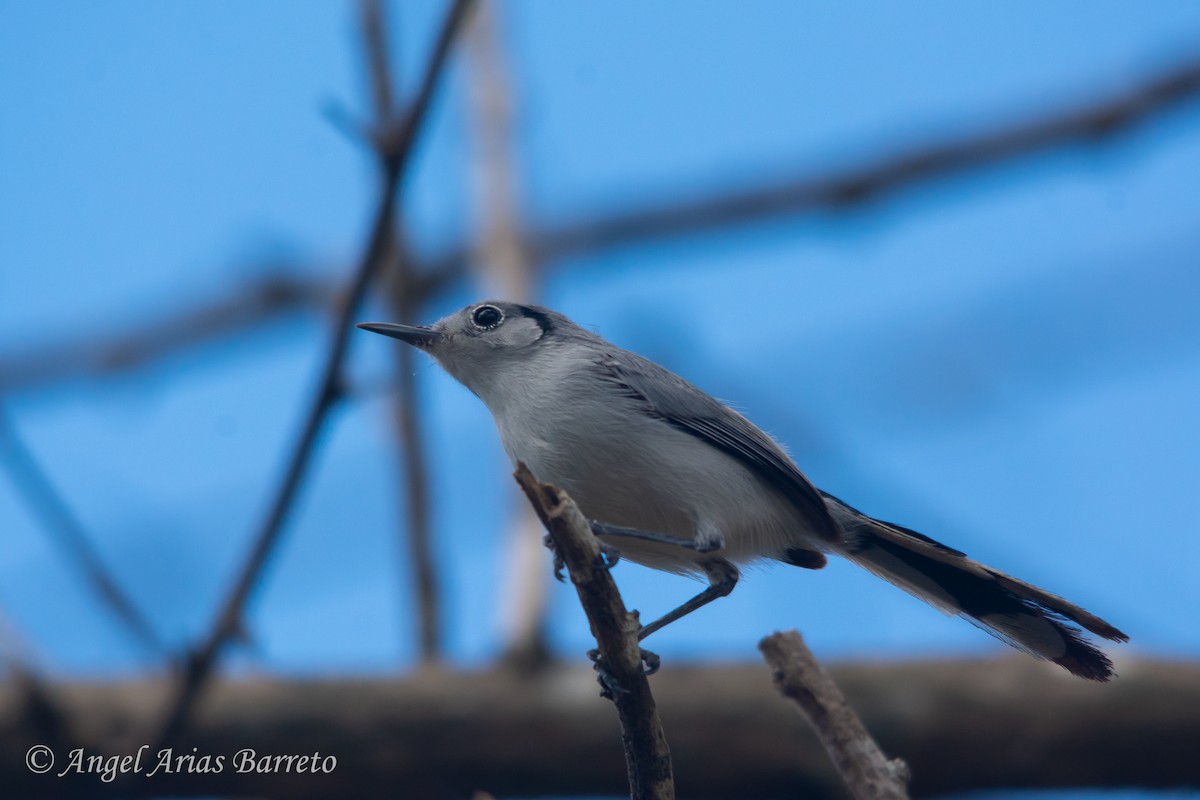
864 768
647 757
394 145
963 726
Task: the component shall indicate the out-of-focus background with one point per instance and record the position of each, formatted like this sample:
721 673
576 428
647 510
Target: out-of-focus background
947 253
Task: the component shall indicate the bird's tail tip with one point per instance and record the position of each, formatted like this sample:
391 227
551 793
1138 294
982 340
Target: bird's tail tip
1024 616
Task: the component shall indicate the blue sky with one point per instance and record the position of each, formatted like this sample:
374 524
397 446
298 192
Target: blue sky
1005 360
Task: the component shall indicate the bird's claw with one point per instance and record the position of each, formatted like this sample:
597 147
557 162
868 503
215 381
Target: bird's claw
609 556
609 685
559 564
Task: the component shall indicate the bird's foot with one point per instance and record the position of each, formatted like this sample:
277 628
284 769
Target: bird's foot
609 685
609 556
559 564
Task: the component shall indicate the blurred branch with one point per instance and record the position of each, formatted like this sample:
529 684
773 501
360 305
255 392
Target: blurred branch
394 139
33 702
206 321
866 771
500 254
1085 124
61 524
410 427
406 410
379 67
505 268
962 725
647 757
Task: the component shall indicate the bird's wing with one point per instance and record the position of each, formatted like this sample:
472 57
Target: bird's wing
687 408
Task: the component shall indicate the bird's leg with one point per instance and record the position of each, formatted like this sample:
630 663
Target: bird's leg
722 577
706 545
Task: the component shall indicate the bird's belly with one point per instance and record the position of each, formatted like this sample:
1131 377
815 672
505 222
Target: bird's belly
653 477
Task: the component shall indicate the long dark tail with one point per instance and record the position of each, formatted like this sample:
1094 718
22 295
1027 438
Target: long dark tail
1022 615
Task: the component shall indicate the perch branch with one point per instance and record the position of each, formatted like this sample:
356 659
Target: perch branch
866 771
394 146
647 757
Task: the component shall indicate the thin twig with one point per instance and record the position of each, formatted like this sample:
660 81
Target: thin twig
61 524
395 144
866 771
647 757
404 304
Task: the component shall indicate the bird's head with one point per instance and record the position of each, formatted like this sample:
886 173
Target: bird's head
485 340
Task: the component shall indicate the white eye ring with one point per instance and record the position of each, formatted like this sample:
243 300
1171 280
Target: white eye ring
486 317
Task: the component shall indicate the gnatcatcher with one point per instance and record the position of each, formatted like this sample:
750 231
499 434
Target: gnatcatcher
676 480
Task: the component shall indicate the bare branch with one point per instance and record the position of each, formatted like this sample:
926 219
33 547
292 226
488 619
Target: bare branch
396 145
208 321
647 757
61 524
1088 124
1091 124
866 771
399 135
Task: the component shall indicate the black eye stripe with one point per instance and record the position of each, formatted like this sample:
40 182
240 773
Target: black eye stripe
486 317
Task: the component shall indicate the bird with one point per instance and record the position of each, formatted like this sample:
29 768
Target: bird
673 479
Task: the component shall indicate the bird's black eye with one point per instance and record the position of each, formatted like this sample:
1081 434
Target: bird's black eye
487 317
